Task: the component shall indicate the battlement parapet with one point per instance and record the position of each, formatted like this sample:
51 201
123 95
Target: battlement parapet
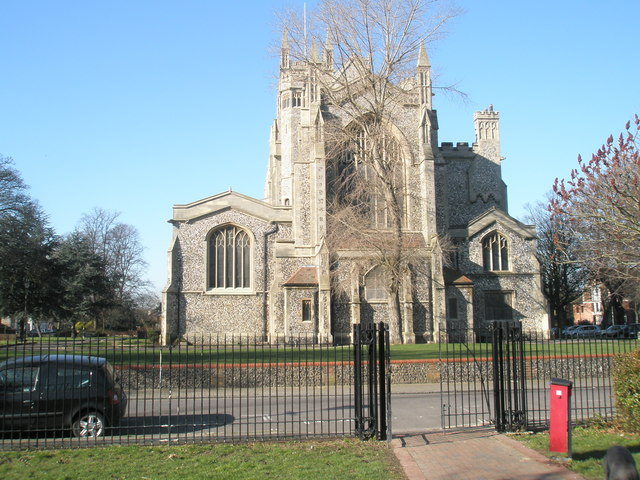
487 113
460 150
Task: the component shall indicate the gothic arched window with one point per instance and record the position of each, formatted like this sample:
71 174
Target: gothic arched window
374 285
369 176
229 250
495 252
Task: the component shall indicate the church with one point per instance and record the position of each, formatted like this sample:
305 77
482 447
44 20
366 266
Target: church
434 252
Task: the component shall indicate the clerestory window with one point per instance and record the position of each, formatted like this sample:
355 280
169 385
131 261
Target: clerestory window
229 259
495 252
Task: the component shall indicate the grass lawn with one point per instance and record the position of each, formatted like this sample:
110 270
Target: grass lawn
342 458
589 447
123 351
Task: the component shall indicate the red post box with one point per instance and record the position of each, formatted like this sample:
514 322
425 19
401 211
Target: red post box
560 421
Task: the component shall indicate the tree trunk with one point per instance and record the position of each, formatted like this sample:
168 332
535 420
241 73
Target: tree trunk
395 319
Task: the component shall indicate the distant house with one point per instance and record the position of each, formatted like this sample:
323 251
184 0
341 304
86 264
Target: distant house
588 307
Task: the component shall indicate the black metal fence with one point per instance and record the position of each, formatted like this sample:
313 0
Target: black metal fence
501 375
223 388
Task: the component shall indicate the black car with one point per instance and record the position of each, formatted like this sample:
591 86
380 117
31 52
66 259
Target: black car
60 392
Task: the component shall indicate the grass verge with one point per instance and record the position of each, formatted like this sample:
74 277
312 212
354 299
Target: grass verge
339 458
589 447
120 352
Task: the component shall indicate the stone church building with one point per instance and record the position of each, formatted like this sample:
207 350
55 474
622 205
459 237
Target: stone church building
240 265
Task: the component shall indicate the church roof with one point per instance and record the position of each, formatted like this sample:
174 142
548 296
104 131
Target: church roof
303 277
490 218
231 201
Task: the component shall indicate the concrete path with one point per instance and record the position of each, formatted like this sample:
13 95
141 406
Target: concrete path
481 454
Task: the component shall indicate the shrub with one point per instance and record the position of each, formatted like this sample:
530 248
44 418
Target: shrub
626 384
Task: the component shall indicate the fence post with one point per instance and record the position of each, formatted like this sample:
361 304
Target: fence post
372 373
357 379
498 375
383 383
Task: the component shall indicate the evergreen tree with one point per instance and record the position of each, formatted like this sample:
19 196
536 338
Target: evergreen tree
29 277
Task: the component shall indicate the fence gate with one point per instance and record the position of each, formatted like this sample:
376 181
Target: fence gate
372 385
509 388
482 377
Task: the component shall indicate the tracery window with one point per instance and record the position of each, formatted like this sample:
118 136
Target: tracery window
370 169
495 252
297 98
229 259
374 289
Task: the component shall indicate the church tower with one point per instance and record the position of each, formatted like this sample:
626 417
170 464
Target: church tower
296 174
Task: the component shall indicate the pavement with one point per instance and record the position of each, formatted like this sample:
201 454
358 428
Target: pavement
473 454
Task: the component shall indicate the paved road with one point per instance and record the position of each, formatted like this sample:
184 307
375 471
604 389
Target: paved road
275 413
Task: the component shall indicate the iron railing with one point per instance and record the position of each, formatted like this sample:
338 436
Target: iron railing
501 375
217 388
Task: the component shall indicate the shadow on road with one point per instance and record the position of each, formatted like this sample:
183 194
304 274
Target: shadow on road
165 424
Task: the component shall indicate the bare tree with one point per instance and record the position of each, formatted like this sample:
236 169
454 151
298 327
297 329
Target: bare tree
127 259
366 76
600 203
563 276
118 244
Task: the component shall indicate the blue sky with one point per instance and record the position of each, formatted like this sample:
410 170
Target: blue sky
135 106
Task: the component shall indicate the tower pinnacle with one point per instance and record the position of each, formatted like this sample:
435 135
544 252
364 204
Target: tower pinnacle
423 58
284 55
424 76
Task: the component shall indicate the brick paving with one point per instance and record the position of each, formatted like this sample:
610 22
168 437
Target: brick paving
473 455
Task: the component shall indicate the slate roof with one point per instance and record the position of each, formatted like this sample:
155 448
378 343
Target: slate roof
306 276
454 277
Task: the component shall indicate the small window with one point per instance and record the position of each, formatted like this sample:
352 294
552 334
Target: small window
498 306
453 308
374 286
495 253
306 310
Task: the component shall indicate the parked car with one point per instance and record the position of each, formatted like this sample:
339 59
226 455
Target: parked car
617 331
586 331
35 333
566 332
634 330
62 392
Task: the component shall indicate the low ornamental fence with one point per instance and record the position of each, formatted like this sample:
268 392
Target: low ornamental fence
223 388
503 377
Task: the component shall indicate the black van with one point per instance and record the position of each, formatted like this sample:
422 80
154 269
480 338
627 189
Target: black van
60 392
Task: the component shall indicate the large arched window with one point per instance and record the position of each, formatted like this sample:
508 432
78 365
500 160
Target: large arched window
495 252
229 259
368 176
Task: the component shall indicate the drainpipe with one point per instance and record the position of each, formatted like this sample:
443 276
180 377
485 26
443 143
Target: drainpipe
265 260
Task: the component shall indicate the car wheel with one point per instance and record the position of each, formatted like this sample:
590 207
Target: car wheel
88 424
